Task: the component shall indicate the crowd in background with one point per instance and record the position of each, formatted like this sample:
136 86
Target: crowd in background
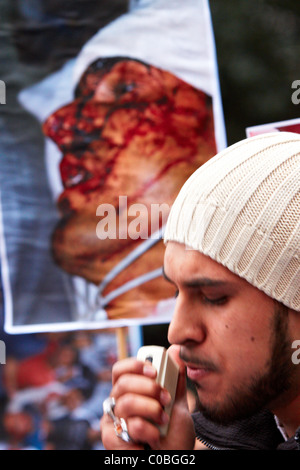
52 389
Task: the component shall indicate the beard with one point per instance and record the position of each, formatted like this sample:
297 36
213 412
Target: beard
264 390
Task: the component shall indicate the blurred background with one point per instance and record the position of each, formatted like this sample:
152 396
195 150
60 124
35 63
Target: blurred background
257 46
258 49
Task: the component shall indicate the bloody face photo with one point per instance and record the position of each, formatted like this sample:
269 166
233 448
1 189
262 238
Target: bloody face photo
135 131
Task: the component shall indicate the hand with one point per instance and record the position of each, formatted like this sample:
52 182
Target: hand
140 401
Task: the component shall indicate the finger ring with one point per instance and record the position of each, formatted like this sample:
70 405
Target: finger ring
108 407
121 429
119 423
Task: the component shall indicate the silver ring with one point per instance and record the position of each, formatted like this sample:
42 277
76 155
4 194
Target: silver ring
108 407
119 423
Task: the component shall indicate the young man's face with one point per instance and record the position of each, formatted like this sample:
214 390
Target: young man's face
234 339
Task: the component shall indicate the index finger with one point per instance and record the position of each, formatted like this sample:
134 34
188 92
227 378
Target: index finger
132 366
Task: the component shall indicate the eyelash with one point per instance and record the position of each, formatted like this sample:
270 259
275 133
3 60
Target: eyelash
219 301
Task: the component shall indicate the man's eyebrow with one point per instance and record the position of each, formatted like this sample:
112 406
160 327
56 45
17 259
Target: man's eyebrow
199 282
205 282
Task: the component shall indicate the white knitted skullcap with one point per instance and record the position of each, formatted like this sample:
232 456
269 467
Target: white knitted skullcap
242 209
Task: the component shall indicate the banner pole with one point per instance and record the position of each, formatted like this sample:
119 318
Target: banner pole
122 342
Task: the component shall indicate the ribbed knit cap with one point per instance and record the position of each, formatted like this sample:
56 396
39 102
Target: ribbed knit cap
242 209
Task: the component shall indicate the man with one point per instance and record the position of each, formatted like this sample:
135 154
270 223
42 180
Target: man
232 252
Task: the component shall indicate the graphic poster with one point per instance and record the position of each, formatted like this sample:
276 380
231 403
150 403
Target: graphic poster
88 179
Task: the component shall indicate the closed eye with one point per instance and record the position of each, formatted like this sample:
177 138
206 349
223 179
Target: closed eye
215 301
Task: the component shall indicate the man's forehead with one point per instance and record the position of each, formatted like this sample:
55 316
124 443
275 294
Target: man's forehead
188 265
180 253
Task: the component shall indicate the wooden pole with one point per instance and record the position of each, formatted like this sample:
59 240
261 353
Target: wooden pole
122 342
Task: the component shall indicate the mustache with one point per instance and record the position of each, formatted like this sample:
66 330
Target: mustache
201 363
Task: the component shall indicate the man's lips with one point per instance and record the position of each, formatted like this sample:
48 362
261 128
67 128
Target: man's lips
197 373
197 369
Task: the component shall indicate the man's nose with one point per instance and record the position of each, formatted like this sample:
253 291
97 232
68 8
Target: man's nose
73 127
186 325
